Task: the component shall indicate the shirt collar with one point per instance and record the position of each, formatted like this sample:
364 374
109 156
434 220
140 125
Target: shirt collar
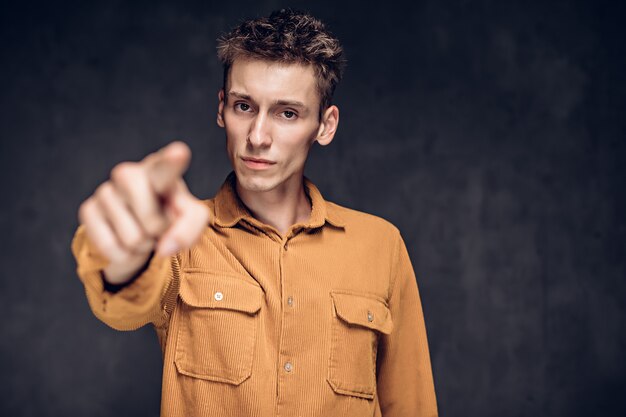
229 209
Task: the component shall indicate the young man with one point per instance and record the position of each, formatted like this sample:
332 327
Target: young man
267 299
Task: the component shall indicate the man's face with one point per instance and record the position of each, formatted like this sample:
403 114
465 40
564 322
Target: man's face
271 115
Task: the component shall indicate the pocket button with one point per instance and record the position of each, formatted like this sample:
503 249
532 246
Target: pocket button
370 316
218 296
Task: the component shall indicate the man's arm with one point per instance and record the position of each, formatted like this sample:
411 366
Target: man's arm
405 379
130 228
132 304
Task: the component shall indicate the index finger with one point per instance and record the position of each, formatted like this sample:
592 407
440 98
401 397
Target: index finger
166 165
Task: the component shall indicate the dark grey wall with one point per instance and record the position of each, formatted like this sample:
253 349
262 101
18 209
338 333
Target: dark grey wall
491 133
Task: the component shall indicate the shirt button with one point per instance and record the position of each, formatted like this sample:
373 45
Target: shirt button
288 366
218 296
290 301
370 316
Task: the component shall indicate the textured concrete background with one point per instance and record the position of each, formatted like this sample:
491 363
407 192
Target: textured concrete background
491 133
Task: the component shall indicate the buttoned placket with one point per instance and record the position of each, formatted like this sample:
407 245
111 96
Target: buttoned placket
287 363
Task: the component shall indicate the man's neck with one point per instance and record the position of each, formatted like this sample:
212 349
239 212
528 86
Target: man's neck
281 207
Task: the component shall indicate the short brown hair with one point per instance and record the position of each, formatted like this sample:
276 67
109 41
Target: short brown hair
287 36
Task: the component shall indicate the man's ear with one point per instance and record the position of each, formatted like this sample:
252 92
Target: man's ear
220 108
328 126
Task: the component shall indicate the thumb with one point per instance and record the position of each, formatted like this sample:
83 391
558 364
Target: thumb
166 165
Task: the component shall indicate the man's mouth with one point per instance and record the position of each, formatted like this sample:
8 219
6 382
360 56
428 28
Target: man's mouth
257 163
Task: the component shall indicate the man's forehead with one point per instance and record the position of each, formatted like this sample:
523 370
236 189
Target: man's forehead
274 80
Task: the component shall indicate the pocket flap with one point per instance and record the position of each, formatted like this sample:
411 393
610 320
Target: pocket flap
214 290
363 310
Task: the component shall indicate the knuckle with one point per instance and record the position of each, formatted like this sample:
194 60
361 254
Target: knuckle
123 171
133 239
104 191
85 210
110 250
145 246
154 225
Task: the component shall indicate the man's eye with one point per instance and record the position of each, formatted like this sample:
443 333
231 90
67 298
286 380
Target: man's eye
289 114
243 106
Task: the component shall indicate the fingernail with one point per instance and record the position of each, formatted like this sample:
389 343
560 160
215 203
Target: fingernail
167 247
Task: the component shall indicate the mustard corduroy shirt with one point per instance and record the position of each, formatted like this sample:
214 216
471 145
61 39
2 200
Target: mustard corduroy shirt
323 321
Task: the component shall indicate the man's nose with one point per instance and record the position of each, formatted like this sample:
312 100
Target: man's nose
259 134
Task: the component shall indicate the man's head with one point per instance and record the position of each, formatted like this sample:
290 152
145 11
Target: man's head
287 37
279 76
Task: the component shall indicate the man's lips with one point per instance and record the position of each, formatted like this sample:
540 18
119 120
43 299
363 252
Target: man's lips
257 163
258 160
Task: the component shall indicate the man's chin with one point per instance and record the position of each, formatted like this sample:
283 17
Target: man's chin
255 182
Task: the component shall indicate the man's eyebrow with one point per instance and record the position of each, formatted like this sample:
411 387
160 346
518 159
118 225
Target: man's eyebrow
240 95
292 103
243 96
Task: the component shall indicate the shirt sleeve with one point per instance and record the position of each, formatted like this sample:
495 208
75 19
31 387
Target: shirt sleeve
141 302
404 377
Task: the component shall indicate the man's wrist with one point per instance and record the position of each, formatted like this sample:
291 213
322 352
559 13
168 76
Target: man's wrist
114 288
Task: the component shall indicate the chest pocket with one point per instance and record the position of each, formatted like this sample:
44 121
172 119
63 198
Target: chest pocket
358 319
218 326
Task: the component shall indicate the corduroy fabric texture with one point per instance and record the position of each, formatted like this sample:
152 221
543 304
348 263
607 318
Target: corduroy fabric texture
323 321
